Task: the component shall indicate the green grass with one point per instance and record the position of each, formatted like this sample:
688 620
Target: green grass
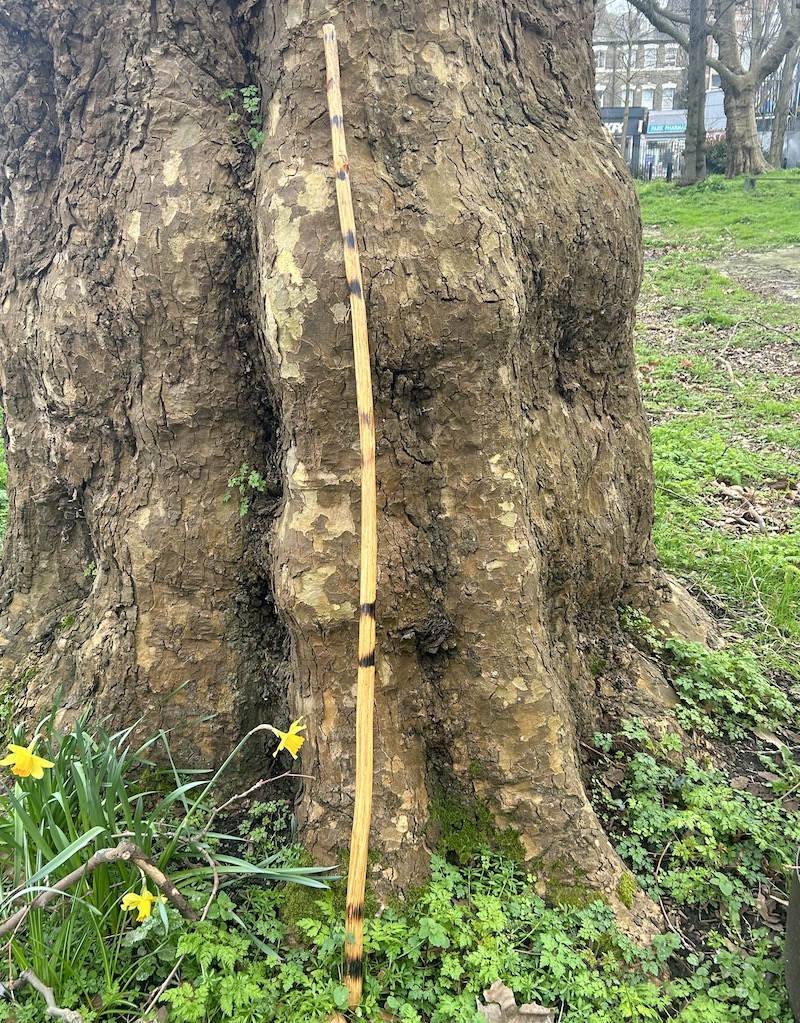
717 342
721 214
697 294
715 358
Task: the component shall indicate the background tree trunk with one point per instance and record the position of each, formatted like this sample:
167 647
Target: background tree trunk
166 317
745 155
782 105
739 88
694 168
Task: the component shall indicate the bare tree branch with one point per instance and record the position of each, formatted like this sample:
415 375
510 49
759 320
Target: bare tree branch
663 20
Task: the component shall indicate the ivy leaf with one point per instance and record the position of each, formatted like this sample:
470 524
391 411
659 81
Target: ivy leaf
340 996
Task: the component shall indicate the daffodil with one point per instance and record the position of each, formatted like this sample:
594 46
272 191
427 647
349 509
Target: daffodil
24 762
291 740
142 903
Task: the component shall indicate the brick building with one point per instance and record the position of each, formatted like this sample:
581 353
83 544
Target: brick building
631 55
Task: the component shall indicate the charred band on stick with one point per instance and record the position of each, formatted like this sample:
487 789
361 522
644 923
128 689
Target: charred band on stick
359 844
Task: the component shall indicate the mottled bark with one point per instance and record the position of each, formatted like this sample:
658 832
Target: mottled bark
745 155
126 366
501 244
152 343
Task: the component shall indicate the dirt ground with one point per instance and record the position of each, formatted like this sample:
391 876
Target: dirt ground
771 275
774 274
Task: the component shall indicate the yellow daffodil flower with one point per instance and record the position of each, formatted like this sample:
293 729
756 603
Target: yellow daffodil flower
290 740
143 903
24 762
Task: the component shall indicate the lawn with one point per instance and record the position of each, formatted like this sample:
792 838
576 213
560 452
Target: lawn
718 343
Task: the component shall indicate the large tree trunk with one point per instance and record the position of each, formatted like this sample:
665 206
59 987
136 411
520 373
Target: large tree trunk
127 366
694 168
745 155
152 342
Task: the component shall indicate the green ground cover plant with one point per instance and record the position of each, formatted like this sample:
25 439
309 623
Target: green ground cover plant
713 854
721 692
706 830
687 832
430 959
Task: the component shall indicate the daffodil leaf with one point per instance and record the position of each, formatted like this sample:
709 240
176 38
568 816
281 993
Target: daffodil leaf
66 854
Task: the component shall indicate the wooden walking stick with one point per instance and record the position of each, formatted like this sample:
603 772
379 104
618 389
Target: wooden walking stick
359 842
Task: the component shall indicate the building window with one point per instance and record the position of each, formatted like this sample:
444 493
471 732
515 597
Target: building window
647 96
650 56
600 58
716 81
668 98
670 56
599 93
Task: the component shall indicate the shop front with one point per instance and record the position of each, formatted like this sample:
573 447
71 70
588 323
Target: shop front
664 145
614 120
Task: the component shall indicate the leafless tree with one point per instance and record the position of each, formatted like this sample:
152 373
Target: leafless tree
626 28
751 41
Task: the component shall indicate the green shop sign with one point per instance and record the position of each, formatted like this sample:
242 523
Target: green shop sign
673 123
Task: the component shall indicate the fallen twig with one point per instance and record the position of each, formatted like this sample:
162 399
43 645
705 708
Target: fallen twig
246 793
672 926
28 977
729 371
159 991
661 857
769 326
126 851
